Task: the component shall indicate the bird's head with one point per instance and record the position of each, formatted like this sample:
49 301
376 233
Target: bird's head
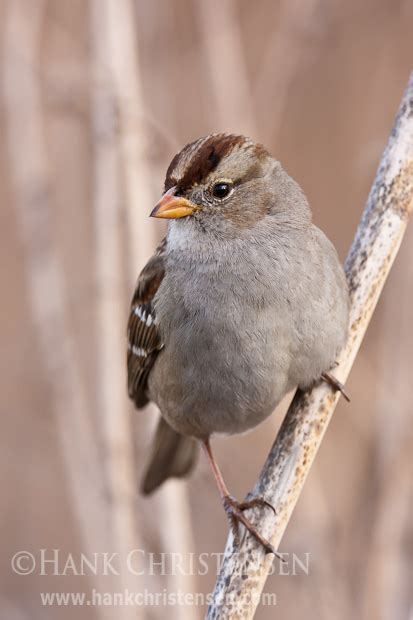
221 182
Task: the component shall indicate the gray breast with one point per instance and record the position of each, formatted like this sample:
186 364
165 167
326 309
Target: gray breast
220 370
243 329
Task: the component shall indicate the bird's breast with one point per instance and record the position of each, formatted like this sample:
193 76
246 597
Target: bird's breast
219 370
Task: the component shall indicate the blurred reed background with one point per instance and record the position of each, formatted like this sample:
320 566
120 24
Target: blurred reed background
96 96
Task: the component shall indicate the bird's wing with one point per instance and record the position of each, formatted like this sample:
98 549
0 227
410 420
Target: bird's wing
144 340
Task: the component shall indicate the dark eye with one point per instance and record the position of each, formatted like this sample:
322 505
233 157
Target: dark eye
220 190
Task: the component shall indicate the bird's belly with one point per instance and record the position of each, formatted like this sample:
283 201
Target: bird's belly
223 380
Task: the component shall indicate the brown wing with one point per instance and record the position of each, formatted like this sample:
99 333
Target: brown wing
144 341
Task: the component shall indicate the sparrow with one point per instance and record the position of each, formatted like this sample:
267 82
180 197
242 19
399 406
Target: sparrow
244 300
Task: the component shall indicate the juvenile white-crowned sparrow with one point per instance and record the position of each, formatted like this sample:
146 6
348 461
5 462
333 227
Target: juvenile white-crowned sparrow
244 300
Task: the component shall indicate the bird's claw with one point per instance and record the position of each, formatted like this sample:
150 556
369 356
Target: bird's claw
234 511
335 384
255 502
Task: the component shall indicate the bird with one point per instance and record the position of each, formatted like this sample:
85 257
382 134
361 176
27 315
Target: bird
244 300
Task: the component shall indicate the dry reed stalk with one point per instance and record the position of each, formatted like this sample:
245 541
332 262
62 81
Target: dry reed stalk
113 409
224 52
375 246
387 591
284 56
46 286
124 72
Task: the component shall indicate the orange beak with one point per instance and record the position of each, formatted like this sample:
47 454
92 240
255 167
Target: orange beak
173 207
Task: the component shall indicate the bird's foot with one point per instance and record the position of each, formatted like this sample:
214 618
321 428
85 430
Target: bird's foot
335 384
235 514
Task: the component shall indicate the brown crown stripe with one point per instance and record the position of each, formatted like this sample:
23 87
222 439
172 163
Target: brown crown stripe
204 160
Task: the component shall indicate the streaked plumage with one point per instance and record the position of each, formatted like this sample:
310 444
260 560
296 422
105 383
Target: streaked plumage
143 335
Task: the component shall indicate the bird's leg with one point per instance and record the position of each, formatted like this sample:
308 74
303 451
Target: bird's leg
335 384
234 509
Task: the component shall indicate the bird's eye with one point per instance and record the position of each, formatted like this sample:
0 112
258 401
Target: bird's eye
220 190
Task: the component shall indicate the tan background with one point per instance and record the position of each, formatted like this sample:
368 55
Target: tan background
95 98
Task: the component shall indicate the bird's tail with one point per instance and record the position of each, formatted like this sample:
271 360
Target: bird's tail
173 455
